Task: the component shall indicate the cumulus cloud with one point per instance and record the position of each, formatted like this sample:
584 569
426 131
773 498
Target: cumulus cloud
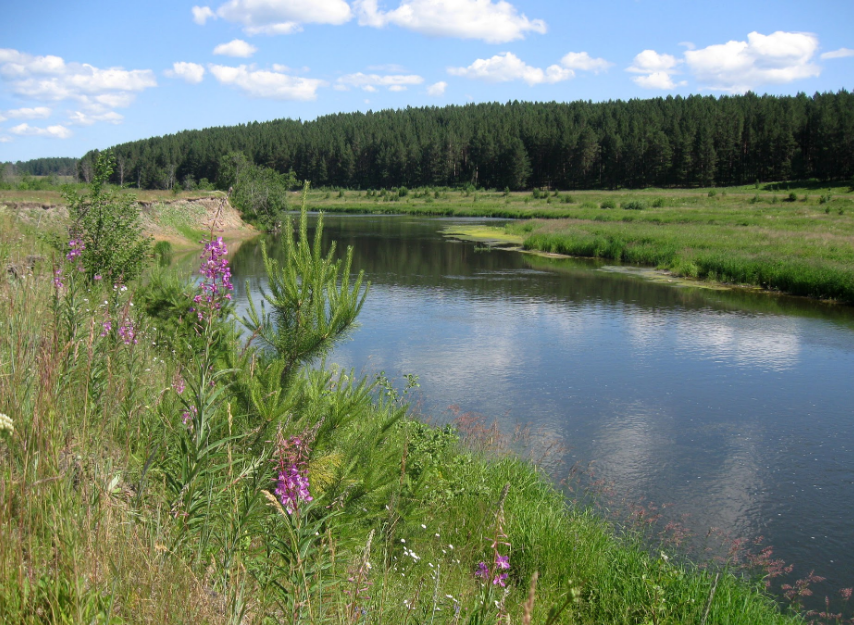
202 15
55 132
267 84
487 20
838 54
192 73
739 66
283 17
5 139
507 66
650 61
657 80
236 47
369 82
658 70
584 62
437 89
79 118
50 78
39 112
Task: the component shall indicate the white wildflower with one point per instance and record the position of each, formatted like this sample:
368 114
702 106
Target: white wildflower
6 423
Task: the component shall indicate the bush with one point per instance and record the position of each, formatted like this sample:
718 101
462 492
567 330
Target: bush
107 227
825 199
633 205
608 204
566 199
658 202
402 192
793 197
713 193
163 253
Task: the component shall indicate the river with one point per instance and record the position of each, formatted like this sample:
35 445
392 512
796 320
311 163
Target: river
723 409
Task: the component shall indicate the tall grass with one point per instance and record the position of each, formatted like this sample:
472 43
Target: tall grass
139 485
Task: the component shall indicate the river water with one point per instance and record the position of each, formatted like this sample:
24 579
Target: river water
724 409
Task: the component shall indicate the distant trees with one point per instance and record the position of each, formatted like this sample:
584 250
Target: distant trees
672 141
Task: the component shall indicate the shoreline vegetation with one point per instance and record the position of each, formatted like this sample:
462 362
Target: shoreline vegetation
789 238
156 468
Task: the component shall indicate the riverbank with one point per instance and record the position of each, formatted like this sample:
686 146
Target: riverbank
405 520
801 247
182 220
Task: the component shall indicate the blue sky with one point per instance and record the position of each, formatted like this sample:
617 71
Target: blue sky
74 78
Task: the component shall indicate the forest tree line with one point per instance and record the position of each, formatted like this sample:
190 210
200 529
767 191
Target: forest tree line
662 142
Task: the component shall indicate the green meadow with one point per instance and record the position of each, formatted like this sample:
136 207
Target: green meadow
795 239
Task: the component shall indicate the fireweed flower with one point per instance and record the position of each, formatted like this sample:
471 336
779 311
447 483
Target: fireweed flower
128 333
57 279
178 384
482 570
106 327
77 248
217 277
292 485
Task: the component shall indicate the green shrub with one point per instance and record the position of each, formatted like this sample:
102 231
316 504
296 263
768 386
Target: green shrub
658 202
163 253
634 205
793 197
713 193
566 199
402 192
825 199
608 204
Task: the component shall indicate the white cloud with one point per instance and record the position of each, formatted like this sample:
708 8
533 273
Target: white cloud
658 70
369 82
78 118
739 66
283 17
688 44
56 132
39 112
202 15
6 139
50 78
437 89
507 66
584 62
838 54
192 73
650 61
657 80
236 47
267 84
2 119
487 20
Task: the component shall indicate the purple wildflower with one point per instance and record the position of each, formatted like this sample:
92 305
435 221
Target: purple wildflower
57 279
128 333
97 277
482 570
106 327
77 248
292 485
499 580
217 277
188 415
502 562
178 384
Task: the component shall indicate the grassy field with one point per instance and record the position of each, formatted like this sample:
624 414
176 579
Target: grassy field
139 452
796 240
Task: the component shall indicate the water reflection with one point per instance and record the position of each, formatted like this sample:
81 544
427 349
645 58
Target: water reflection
734 407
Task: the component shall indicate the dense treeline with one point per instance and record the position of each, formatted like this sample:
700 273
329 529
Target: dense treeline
58 166
698 140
